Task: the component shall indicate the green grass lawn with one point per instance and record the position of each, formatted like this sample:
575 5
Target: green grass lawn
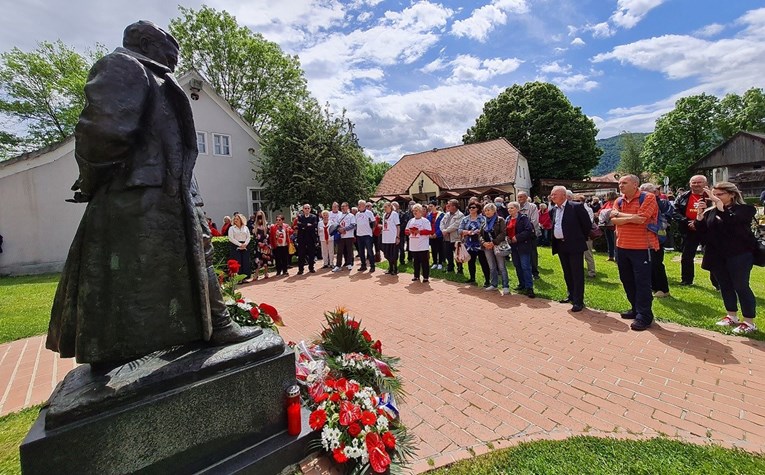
25 305
596 456
13 429
696 306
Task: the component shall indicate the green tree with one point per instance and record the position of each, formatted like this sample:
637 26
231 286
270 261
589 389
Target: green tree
631 162
745 112
42 92
556 138
254 75
682 136
374 173
312 156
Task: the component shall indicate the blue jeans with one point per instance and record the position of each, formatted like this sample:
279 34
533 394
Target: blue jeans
733 277
522 264
496 266
365 251
635 274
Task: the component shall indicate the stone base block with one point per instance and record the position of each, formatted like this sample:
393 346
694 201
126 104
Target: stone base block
188 410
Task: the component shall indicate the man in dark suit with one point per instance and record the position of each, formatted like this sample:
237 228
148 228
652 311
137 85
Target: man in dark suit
571 226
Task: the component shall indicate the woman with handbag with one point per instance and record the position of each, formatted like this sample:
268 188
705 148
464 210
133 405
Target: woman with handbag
470 230
724 223
492 236
520 232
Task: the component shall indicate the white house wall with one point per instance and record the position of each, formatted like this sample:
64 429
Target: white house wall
38 226
223 180
522 176
36 223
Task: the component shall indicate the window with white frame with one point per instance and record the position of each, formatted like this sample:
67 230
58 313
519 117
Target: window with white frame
256 203
202 142
221 144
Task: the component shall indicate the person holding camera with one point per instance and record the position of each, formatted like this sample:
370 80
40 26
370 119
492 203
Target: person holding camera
686 210
726 228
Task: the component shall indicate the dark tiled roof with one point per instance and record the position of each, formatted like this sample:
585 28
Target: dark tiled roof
484 164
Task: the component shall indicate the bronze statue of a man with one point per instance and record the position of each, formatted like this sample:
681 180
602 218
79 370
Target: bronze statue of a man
138 277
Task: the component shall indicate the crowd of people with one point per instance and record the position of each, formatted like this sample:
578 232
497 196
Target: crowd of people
635 224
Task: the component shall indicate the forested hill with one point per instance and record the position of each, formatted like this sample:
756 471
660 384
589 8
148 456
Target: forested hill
610 158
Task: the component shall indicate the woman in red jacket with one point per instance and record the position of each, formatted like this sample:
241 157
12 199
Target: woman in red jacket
279 237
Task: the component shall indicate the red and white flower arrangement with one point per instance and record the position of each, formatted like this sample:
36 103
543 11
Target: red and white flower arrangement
353 428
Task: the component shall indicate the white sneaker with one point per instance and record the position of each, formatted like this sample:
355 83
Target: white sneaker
504 291
659 294
744 328
433 266
491 287
728 322
349 267
335 269
440 267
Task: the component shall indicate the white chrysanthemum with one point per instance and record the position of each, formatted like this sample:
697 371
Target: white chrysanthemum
330 438
229 301
244 306
382 423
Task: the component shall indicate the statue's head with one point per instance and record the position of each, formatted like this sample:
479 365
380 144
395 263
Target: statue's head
151 41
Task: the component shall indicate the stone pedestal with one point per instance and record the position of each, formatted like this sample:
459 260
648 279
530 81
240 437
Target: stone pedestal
186 410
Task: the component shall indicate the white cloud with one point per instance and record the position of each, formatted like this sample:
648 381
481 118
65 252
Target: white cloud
555 68
466 68
576 82
482 21
630 12
396 124
364 16
719 67
601 30
572 30
710 30
286 22
577 42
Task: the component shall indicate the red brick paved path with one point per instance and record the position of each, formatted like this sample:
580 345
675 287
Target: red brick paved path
481 368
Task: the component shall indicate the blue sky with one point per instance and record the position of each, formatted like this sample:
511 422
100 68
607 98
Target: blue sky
414 75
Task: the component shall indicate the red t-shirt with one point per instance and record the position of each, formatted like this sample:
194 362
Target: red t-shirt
510 229
690 210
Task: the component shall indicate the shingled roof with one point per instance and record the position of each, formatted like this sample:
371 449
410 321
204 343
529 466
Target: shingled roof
478 165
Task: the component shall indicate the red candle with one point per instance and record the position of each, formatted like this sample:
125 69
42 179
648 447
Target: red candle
293 419
293 411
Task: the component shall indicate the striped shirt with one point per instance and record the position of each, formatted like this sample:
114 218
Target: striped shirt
633 235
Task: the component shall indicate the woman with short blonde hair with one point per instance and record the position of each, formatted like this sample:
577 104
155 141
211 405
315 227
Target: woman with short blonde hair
239 237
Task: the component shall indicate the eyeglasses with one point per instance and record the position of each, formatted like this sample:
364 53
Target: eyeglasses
472 207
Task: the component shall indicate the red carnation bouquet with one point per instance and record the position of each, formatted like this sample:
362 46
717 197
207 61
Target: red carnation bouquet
356 428
352 388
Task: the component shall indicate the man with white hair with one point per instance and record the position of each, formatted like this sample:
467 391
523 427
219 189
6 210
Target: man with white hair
685 214
571 227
